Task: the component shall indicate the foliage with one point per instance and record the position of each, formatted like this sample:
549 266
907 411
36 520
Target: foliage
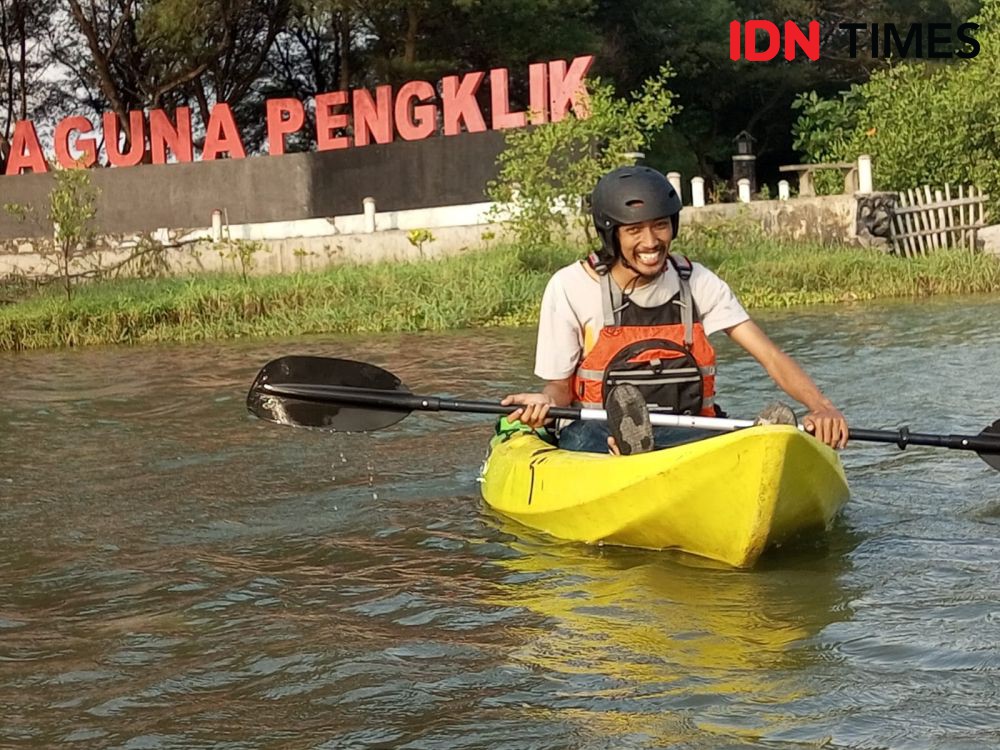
19 211
764 272
418 237
823 132
26 88
243 254
547 172
921 124
122 55
147 260
72 203
72 210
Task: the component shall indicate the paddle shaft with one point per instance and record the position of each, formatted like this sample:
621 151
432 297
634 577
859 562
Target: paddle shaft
404 402
903 437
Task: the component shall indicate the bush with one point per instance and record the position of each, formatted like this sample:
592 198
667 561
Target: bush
546 172
921 123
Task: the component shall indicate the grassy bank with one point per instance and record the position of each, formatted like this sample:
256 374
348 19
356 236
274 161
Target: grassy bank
501 286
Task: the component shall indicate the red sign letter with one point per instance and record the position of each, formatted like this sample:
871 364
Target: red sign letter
64 129
418 124
538 88
567 87
136 138
163 135
794 37
372 118
774 43
734 40
327 121
222 135
278 125
500 101
459 103
25 150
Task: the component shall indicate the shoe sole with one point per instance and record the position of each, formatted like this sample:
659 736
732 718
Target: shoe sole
628 420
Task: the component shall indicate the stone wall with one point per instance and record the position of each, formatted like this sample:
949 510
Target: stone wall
827 219
186 252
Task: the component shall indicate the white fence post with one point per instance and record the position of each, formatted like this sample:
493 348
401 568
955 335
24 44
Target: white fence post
744 187
216 225
369 203
865 174
697 192
784 192
674 178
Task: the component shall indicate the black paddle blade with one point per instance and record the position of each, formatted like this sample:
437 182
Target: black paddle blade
993 459
325 416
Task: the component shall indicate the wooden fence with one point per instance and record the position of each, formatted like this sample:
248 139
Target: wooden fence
924 222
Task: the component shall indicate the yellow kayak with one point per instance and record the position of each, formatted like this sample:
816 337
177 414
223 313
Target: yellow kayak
726 498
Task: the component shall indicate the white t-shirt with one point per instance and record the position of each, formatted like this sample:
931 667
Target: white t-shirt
572 314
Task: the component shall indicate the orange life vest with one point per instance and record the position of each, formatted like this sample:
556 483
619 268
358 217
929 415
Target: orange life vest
662 350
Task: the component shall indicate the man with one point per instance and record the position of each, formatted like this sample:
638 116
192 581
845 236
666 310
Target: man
627 329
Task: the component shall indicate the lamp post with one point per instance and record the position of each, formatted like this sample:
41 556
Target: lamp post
744 161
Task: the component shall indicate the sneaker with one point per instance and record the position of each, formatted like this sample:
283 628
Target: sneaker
776 413
628 420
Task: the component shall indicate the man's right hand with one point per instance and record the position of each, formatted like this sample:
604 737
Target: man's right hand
532 408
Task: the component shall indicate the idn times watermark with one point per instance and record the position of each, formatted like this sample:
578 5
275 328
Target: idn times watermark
760 40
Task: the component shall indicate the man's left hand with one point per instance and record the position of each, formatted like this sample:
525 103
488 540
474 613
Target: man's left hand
827 425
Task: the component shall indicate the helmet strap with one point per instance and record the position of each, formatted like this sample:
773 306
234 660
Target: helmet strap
599 262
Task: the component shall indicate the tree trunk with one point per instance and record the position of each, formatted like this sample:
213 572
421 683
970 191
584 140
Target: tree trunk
7 71
344 37
107 82
410 44
199 94
22 63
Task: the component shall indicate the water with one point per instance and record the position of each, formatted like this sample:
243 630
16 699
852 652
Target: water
175 574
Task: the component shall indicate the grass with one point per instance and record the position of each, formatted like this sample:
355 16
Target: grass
767 273
499 286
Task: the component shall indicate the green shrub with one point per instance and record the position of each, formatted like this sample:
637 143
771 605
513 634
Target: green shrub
921 123
546 172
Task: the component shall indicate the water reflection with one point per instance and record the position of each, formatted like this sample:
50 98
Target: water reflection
677 646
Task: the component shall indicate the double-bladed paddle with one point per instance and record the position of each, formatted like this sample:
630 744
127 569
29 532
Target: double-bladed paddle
347 396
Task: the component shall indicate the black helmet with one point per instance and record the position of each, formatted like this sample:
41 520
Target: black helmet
630 195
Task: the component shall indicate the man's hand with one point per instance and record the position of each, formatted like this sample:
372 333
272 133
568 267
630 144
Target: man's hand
532 409
824 420
828 425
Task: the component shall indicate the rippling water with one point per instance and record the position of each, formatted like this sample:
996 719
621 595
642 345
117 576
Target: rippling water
174 574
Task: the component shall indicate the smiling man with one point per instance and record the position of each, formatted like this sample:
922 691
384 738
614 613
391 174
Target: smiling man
627 329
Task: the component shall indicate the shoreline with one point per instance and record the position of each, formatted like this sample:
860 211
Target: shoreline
496 286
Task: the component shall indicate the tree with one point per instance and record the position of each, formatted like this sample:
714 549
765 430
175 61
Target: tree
71 209
721 97
24 92
546 172
340 44
922 124
137 54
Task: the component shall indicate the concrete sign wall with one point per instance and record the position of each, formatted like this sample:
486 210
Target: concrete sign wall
433 172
